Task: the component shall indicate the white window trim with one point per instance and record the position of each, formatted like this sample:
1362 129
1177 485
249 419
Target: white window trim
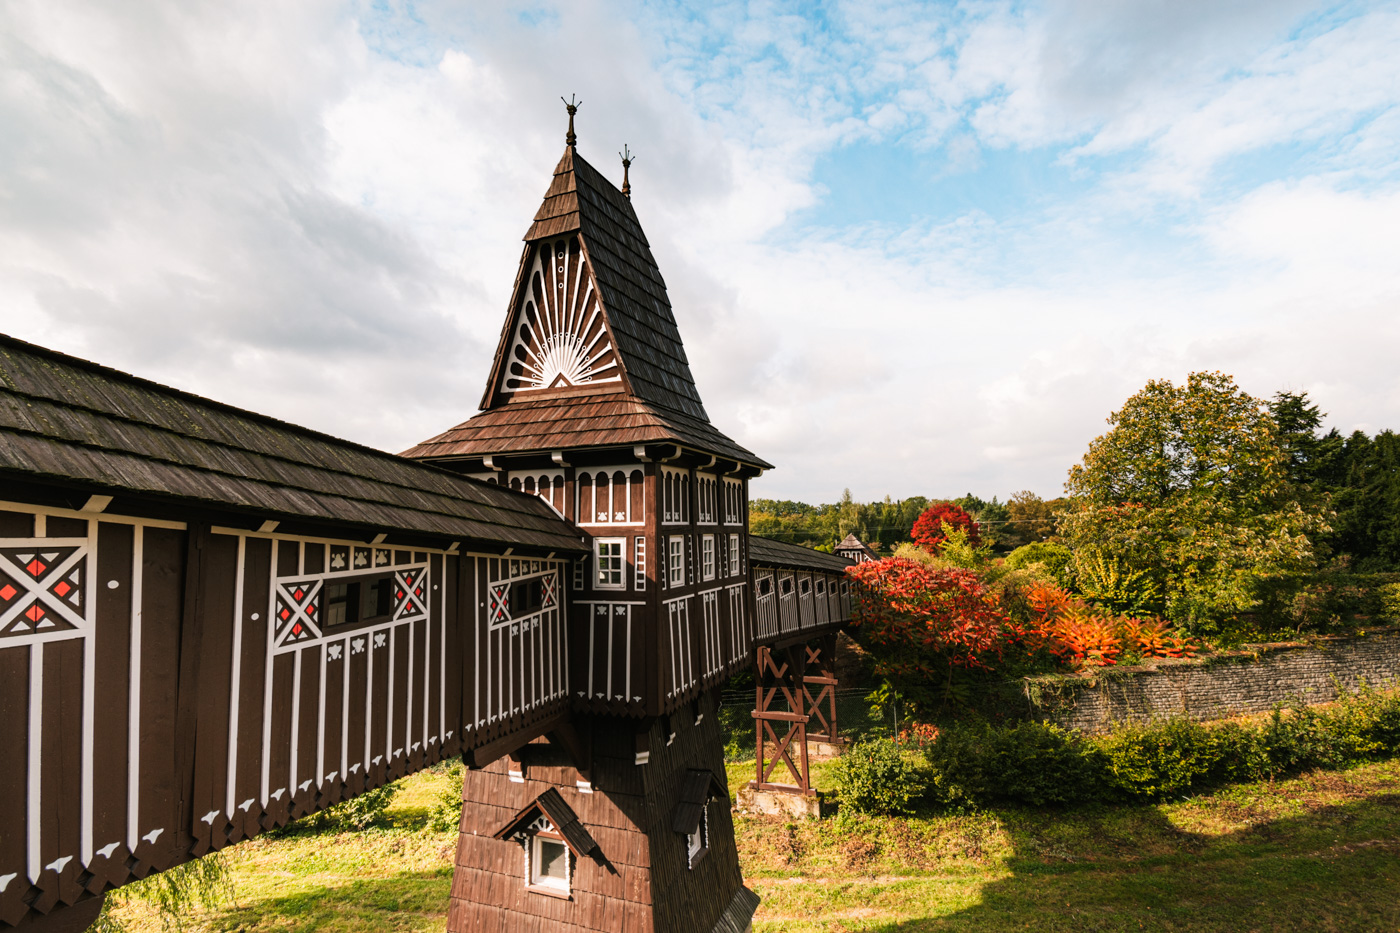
734 555
532 860
707 557
698 842
598 563
675 569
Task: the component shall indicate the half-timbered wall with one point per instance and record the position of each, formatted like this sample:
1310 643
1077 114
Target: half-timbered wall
518 660
165 691
89 635
324 671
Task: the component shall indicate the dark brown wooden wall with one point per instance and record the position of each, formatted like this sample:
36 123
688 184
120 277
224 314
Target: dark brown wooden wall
168 690
641 883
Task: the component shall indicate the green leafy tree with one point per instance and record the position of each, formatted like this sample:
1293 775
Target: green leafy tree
1190 488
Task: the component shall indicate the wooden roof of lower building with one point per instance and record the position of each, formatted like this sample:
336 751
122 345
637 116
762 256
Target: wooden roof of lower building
69 420
767 552
540 425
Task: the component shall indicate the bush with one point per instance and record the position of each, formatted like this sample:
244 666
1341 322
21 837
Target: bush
1030 763
446 814
873 776
1051 558
1039 765
357 813
1158 760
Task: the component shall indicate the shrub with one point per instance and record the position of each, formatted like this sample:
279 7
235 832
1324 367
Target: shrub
1029 763
873 776
1051 558
359 812
1157 760
446 814
1037 764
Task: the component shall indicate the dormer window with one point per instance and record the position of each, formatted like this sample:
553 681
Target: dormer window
549 862
691 817
553 840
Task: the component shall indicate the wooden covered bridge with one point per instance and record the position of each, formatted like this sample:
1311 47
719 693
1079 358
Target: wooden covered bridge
213 623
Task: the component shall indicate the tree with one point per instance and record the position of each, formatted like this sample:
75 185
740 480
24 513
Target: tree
919 622
1031 518
928 529
1190 488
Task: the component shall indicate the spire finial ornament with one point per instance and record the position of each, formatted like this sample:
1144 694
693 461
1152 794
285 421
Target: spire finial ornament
572 106
626 155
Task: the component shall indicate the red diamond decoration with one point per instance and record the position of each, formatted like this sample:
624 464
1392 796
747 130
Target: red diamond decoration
418 592
34 613
8 592
399 594
296 629
299 594
36 567
285 614
311 609
63 588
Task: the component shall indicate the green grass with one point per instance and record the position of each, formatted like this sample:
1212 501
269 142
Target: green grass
1319 852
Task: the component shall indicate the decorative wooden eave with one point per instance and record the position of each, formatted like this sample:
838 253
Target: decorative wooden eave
698 788
551 806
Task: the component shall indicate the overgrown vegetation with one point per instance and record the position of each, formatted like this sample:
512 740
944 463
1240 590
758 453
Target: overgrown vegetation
168 900
976 764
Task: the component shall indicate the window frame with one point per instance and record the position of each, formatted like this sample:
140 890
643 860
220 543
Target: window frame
543 884
734 555
707 557
356 599
599 568
675 560
697 844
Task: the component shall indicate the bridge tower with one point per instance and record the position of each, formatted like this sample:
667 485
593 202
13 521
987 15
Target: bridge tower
618 818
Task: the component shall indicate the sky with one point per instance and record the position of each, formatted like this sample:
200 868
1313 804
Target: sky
913 248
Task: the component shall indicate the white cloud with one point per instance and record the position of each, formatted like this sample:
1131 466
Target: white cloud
316 211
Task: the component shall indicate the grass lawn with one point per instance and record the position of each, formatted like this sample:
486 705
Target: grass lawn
1319 852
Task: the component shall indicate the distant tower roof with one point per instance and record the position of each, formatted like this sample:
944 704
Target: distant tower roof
590 354
853 547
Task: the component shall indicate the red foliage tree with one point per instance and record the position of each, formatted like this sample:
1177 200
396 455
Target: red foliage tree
928 528
917 621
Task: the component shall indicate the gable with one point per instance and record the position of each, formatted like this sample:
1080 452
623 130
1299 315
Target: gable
558 338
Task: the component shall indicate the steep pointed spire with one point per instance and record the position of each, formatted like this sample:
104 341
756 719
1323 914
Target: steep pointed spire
571 138
590 354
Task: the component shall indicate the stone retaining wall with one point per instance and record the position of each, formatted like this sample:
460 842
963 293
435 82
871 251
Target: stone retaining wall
1251 680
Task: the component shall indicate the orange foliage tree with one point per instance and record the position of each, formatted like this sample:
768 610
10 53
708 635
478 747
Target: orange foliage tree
919 623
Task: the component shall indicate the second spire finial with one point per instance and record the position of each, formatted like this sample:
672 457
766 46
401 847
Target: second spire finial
572 106
626 155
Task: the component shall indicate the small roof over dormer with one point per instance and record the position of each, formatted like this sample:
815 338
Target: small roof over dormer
550 806
590 354
698 788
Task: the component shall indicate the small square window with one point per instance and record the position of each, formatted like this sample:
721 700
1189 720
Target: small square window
787 586
765 586
805 587
549 864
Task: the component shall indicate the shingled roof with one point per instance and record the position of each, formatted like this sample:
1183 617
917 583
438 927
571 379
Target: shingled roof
68 420
769 553
655 399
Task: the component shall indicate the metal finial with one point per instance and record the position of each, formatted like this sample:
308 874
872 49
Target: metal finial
626 155
572 106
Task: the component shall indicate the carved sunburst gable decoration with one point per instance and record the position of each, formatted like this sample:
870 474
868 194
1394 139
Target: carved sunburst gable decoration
559 339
